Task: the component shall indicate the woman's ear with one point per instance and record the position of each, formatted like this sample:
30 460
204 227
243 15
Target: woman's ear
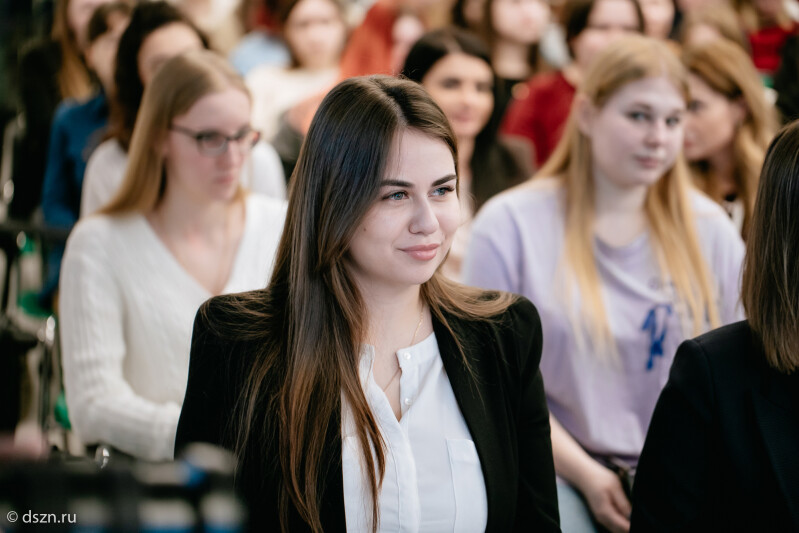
584 112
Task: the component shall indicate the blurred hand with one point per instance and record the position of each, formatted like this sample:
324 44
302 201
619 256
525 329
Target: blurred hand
605 496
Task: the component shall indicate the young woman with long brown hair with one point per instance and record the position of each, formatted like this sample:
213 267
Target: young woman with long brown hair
362 389
623 259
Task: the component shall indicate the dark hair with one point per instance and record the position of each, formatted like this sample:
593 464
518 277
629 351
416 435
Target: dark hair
98 24
770 289
494 165
310 320
575 14
146 18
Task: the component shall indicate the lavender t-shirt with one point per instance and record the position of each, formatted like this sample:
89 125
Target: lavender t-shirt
517 246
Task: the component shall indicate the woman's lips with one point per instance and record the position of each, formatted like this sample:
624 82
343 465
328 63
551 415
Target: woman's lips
423 252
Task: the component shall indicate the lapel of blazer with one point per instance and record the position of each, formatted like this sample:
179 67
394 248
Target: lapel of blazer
482 410
778 417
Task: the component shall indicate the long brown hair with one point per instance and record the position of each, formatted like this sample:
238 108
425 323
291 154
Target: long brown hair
667 204
310 319
770 291
176 86
74 80
729 71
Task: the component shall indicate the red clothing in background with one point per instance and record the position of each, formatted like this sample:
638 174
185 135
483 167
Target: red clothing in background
541 114
766 45
369 47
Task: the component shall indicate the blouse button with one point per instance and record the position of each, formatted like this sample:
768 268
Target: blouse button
406 355
407 401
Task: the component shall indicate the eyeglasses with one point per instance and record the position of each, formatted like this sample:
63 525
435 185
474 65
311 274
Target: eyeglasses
213 143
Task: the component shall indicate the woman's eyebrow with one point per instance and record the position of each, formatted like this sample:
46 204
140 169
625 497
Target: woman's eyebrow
400 183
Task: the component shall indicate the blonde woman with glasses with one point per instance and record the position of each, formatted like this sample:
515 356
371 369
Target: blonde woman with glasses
180 230
624 260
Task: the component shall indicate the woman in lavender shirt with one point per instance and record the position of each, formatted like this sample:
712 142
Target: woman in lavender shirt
624 260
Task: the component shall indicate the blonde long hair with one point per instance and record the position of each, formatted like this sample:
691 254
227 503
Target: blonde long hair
667 204
73 76
728 70
175 88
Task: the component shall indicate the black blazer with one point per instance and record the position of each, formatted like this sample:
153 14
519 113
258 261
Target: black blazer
722 451
504 409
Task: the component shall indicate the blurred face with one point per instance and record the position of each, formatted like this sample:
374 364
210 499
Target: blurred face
101 54
638 134
711 122
78 14
700 34
473 12
407 232
658 17
768 9
462 86
315 33
609 20
520 21
190 170
407 30
163 44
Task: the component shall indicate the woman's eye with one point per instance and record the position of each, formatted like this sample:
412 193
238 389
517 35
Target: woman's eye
211 138
443 191
638 116
400 195
695 106
673 121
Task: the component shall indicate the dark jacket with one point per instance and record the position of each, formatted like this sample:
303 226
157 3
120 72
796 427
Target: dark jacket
722 451
504 408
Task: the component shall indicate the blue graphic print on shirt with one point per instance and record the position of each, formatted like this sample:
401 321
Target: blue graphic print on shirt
657 323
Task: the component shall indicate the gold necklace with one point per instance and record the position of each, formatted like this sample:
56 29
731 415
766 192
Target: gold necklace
413 339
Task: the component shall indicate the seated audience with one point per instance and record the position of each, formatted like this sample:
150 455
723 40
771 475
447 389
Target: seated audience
357 389
157 32
49 72
728 127
768 24
454 67
315 33
77 126
381 42
513 30
624 259
180 230
540 113
660 18
709 23
76 130
262 44
720 454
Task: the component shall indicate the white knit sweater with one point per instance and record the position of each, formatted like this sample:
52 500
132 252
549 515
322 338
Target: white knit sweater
126 313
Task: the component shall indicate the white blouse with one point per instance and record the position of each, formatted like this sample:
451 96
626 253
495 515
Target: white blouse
433 480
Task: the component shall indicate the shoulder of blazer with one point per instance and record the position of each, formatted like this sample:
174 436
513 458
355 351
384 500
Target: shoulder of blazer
517 331
733 350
